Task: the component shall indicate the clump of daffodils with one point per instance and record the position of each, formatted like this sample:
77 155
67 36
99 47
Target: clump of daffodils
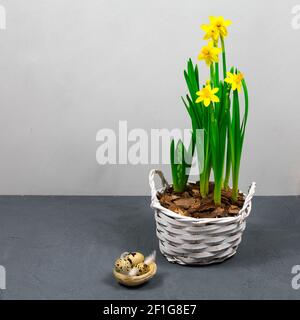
214 107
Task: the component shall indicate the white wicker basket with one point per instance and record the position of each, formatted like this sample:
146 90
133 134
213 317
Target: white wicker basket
192 241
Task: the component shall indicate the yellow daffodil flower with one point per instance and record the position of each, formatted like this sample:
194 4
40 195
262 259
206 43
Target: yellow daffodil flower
209 53
220 24
211 32
207 95
235 80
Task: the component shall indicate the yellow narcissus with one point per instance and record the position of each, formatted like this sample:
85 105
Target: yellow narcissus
220 24
209 53
211 32
207 95
235 80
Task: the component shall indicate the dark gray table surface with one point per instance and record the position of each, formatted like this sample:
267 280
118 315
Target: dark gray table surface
65 247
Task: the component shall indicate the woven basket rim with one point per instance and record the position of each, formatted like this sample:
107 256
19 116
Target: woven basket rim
155 204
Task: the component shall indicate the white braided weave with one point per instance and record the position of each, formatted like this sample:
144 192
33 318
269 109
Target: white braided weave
192 241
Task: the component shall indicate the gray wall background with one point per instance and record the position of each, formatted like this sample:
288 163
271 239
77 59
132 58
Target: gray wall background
71 67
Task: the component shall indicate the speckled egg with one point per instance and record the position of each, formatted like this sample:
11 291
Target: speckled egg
123 265
135 258
142 268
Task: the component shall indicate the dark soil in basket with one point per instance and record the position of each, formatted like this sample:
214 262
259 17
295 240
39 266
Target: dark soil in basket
191 204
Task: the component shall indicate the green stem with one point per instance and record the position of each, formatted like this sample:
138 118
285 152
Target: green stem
228 156
217 191
202 185
223 57
212 74
204 177
207 176
203 181
235 184
217 75
207 179
228 168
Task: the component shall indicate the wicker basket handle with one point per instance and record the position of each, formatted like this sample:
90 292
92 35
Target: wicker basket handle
164 182
248 199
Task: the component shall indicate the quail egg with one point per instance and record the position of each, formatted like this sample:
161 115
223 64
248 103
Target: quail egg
142 268
122 265
135 258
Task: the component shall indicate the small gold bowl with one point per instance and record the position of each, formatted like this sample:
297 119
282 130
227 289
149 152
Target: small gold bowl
132 281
